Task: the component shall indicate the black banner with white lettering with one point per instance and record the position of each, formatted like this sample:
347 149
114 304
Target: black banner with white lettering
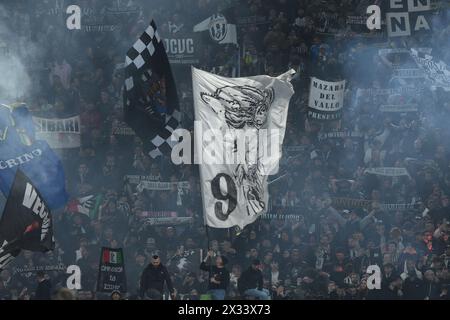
340 135
408 17
27 269
26 222
120 128
111 272
358 24
183 48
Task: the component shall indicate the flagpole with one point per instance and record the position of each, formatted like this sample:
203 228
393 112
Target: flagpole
276 179
239 60
207 237
210 258
288 160
199 151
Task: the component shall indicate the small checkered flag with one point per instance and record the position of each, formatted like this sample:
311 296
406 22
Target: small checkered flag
151 106
8 251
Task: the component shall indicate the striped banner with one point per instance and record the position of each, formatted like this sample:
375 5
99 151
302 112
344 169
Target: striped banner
351 203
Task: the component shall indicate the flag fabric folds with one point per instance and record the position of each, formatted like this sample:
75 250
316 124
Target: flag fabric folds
437 72
26 222
20 150
113 257
151 105
235 190
88 205
220 30
111 271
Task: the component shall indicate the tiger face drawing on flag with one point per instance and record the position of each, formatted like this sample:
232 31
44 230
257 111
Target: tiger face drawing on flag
245 107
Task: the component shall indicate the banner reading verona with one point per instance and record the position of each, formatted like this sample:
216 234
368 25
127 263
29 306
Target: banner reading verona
233 174
111 273
26 223
59 133
326 99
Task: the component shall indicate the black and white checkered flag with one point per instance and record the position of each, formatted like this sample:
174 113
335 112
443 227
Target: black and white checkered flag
8 251
150 96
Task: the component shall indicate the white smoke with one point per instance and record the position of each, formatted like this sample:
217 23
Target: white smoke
15 81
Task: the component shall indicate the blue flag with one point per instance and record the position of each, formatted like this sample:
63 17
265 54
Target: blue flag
35 158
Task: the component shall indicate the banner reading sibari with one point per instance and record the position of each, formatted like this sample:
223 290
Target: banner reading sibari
59 133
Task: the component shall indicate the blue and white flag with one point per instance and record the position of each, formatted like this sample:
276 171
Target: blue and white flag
20 150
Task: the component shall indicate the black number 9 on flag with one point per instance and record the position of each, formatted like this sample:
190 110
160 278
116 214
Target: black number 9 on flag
230 196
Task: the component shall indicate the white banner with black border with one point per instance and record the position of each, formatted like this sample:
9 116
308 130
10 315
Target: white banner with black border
59 133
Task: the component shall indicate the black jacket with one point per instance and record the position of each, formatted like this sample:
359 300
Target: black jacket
250 279
413 289
154 278
220 274
43 290
432 290
387 280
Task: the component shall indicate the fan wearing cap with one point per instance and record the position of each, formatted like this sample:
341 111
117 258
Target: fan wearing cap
219 276
153 278
251 282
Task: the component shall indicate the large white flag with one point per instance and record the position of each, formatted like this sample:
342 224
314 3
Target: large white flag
239 131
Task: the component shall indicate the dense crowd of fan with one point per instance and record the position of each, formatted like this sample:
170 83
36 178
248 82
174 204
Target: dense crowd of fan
312 247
